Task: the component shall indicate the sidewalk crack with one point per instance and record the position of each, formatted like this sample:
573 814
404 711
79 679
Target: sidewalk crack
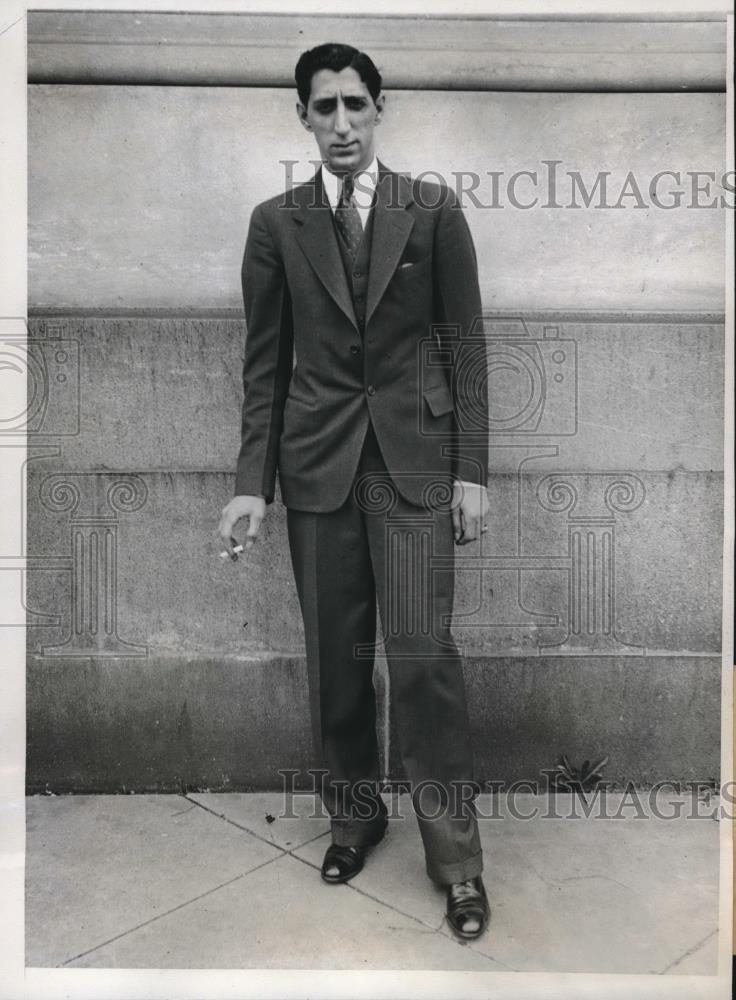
580 878
238 826
375 899
472 946
557 882
690 951
166 913
6 27
182 811
311 840
491 958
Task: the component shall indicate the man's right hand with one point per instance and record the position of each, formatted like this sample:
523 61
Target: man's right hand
252 507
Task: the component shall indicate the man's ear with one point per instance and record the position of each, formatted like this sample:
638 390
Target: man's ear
301 113
380 102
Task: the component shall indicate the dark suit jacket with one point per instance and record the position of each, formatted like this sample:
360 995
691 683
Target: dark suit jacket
429 408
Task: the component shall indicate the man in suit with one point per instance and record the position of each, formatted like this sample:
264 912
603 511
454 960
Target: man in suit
379 435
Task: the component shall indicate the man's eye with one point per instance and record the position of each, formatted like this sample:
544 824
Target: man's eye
355 105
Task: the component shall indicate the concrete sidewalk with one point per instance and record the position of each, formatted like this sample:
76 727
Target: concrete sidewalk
220 881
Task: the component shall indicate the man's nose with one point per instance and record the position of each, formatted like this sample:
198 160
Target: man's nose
342 122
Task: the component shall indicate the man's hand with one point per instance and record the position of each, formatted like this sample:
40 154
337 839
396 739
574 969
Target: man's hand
252 507
469 508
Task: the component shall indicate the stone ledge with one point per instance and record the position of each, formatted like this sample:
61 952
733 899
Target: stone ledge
160 723
478 53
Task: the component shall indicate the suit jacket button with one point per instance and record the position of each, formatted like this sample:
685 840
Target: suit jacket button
371 390
354 349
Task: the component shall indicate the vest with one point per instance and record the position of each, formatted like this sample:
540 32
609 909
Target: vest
356 270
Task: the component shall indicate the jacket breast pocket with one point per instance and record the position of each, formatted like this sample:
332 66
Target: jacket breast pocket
439 400
409 267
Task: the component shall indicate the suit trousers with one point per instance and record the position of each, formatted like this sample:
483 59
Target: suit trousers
378 545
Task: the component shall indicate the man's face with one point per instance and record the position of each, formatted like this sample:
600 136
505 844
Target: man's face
342 115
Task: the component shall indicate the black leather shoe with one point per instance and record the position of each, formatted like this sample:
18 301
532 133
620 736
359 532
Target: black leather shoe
348 860
468 911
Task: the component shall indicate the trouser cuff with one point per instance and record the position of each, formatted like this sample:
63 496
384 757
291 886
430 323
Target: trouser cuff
358 834
446 872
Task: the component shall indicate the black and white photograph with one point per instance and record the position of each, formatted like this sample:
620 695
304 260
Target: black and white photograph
367 452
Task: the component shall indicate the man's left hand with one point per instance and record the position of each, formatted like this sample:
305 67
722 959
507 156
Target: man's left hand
469 511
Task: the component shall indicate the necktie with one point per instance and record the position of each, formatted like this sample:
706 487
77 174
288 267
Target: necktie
347 217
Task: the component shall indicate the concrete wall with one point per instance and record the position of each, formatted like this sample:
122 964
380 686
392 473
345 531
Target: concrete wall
154 666
140 196
220 645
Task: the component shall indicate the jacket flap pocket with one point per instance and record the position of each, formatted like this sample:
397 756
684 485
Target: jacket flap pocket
439 400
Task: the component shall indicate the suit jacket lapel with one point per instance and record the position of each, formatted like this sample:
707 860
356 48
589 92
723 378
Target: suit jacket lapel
391 228
316 236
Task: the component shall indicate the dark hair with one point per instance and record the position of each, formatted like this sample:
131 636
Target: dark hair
334 56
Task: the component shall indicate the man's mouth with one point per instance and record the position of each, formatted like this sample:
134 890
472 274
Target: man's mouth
341 147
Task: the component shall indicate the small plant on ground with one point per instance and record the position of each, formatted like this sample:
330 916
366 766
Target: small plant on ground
586 778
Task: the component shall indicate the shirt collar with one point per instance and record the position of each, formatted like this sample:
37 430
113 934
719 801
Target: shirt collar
365 184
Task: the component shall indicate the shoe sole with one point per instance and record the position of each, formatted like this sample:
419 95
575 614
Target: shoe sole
472 935
464 936
340 879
